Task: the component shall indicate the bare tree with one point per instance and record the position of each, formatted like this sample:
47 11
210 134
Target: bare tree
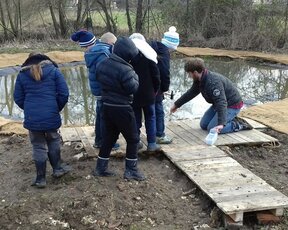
62 18
54 20
3 21
108 18
129 23
12 9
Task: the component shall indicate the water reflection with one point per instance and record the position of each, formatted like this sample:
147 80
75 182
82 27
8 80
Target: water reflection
256 84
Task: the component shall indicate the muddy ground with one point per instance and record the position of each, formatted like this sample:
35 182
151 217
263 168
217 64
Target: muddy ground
166 200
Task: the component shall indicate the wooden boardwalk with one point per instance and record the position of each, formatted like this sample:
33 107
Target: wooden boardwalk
233 188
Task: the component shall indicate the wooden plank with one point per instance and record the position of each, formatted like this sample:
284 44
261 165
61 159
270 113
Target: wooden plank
225 180
240 135
90 133
195 152
254 202
247 136
237 217
181 129
207 163
238 190
91 152
252 196
186 136
180 140
228 139
254 124
69 134
258 136
194 128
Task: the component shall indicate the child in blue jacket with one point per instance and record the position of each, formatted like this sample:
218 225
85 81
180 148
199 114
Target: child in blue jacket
41 91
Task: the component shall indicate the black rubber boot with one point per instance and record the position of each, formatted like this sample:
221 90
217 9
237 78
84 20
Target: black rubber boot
102 168
131 170
40 181
59 169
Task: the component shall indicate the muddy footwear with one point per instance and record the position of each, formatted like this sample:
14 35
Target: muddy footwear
96 146
163 140
153 147
40 181
242 124
59 169
140 146
102 168
116 146
131 170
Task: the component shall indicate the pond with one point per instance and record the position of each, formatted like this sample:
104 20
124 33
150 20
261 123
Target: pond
256 83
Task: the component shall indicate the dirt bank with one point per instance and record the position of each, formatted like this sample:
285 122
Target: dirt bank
7 60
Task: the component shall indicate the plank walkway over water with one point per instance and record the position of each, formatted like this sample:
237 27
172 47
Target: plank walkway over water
233 188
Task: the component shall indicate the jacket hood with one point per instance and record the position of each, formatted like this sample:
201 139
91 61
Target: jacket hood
36 59
159 47
97 51
125 48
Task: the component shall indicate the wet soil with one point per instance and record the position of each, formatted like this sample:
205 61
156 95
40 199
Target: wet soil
166 200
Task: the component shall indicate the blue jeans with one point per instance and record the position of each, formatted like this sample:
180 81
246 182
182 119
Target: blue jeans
210 120
99 123
160 115
43 142
150 121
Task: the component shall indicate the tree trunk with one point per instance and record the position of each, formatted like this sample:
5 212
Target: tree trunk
3 23
139 18
78 21
20 17
11 20
62 18
55 23
128 17
110 23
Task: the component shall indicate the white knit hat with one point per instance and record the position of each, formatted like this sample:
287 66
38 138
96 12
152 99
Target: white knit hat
137 36
171 38
141 44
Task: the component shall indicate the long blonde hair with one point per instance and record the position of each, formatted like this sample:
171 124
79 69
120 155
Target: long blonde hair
36 70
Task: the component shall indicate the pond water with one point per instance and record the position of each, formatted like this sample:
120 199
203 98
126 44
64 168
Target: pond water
256 83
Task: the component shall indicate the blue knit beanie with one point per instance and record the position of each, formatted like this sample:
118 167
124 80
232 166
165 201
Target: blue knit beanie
171 38
84 38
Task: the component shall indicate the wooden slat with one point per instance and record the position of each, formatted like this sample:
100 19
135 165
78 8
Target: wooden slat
69 134
91 152
195 153
191 127
89 133
254 202
180 131
255 124
245 189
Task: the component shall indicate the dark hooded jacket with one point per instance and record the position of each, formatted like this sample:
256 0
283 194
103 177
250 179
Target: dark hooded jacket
163 57
41 100
117 78
149 80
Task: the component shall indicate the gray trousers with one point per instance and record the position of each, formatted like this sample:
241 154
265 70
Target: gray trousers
44 142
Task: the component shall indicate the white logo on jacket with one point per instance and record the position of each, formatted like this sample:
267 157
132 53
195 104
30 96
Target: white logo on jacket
216 92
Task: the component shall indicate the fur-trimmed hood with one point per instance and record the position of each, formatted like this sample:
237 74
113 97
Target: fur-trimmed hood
36 59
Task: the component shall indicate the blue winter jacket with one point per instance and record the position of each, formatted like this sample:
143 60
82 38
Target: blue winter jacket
118 79
41 100
97 53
